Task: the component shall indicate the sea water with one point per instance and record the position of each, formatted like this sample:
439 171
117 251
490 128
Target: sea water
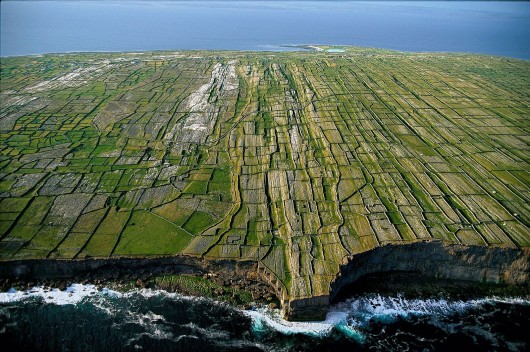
85 318
35 27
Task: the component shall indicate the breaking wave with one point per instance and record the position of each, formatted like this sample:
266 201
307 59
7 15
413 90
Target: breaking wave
84 317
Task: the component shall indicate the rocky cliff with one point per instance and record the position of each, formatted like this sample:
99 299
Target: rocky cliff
431 259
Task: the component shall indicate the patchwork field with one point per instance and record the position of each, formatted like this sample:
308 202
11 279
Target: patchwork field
292 160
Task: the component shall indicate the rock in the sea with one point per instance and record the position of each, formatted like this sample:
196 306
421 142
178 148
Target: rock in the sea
62 285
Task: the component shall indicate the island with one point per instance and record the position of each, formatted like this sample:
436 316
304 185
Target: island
304 170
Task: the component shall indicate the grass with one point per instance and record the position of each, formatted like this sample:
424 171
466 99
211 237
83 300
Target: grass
199 286
175 211
36 211
6 185
148 233
198 222
196 187
72 245
435 149
221 175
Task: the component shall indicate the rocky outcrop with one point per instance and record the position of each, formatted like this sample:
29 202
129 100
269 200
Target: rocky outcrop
307 309
431 259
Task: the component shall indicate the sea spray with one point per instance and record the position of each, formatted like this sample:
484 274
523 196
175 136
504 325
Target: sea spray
265 318
72 295
85 317
388 309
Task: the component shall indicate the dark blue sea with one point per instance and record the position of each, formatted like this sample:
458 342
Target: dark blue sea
84 318
36 27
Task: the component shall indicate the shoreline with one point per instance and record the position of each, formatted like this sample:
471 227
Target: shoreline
280 49
240 292
248 293
421 269
237 283
413 285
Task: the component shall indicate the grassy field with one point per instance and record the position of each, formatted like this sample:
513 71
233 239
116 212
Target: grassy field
293 160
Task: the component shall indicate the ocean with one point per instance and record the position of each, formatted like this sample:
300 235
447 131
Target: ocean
85 318
36 27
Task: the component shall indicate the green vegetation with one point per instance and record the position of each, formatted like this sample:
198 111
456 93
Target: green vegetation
146 232
292 160
203 287
198 222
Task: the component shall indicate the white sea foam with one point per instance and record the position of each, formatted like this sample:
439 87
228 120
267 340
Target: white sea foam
152 323
72 295
351 316
264 318
384 308
387 309
147 293
76 292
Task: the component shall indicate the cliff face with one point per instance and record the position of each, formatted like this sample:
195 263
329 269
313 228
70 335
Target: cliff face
438 259
115 268
432 259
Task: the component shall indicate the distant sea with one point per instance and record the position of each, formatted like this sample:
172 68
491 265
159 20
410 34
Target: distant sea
84 318
36 27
